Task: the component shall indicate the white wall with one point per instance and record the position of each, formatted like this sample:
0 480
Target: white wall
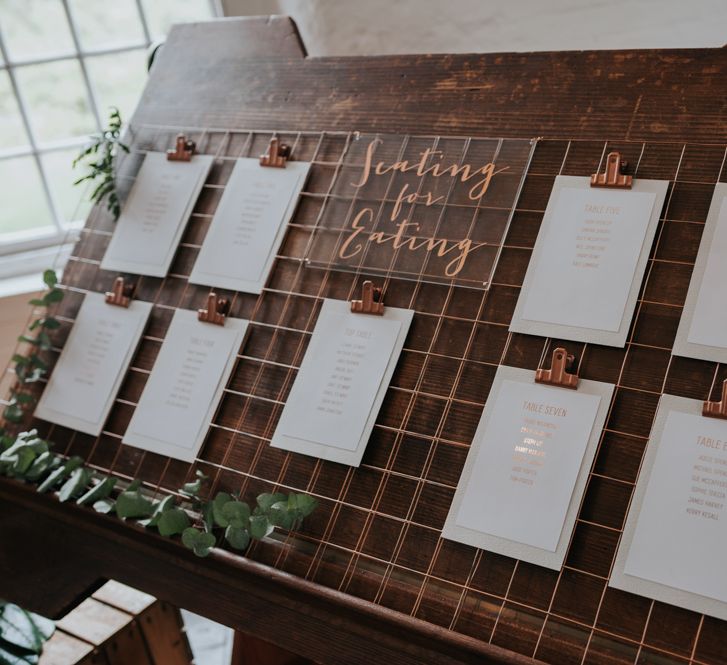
369 27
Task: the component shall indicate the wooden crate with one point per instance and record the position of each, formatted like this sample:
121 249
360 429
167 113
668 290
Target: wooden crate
119 625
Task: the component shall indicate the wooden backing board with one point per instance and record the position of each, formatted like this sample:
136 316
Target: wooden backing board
376 535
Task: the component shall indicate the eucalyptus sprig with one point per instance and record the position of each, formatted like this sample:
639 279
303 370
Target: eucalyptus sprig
100 158
22 635
202 524
32 366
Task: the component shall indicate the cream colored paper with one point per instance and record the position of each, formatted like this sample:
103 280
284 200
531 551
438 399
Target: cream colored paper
589 260
676 529
185 386
527 467
154 216
249 225
341 383
92 365
703 327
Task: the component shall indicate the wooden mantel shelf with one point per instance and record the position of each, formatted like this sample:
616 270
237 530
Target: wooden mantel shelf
73 548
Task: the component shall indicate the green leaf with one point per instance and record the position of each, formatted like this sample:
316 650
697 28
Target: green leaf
13 413
5 441
207 510
43 341
49 323
104 506
98 492
236 514
305 504
200 542
265 501
28 440
195 487
260 527
18 463
173 522
281 515
50 279
37 302
43 464
133 505
75 484
25 631
218 504
238 538
167 503
10 656
134 485
60 474
56 295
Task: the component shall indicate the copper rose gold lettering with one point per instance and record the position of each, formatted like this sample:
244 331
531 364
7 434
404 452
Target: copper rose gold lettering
357 228
427 199
403 237
465 172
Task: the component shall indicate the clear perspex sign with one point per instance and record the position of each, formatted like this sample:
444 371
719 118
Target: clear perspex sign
433 209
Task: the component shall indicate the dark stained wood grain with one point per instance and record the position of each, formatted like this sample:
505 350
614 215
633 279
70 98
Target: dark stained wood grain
243 594
369 566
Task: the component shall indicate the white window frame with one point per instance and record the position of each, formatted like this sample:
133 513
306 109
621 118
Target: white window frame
40 240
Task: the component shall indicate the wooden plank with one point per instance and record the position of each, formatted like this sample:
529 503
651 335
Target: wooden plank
94 622
236 591
163 631
65 649
123 597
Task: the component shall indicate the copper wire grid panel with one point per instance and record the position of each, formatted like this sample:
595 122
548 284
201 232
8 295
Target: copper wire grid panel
376 532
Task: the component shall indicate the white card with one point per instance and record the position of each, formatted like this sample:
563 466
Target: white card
527 467
703 327
155 215
588 262
92 365
249 225
185 385
676 530
341 383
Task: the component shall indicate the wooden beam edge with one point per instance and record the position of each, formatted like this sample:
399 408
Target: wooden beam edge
349 623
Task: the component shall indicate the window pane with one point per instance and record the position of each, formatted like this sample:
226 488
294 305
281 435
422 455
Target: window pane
161 14
12 131
118 80
24 205
56 95
72 201
35 27
105 24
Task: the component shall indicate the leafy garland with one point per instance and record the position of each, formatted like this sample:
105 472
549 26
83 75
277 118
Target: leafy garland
32 367
224 519
100 157
28 458
22 635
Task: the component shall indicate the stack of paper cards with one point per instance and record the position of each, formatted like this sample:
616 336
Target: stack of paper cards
527 468
588 262
249 225
703 327
341 383
186 383
94 360
155 215
673 544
